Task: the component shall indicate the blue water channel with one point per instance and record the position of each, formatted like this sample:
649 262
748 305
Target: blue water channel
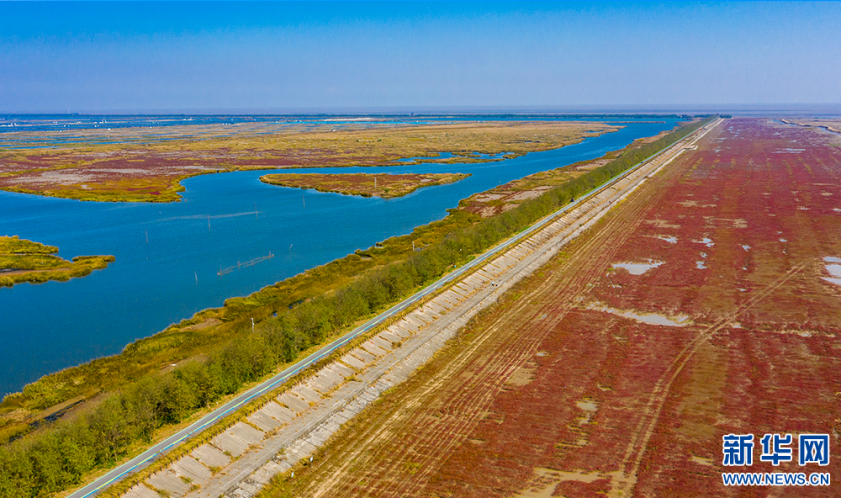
222 219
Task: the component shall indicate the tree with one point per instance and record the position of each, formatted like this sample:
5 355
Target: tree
110 429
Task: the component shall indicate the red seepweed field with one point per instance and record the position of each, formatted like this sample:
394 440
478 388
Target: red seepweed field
703 305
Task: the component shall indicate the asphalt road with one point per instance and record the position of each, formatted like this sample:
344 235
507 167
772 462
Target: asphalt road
148 456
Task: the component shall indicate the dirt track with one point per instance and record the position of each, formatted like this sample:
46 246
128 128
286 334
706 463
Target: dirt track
542 396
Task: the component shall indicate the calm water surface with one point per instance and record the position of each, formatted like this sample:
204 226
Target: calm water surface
223 218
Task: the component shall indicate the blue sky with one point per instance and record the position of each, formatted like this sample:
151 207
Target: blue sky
107 57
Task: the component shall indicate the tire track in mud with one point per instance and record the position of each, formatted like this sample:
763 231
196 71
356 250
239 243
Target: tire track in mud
468 396
636 449
649 421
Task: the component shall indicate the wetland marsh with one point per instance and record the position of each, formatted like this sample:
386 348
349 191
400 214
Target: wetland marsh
386 186
26 261
168 256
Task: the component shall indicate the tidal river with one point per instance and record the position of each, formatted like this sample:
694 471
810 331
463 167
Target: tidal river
168 255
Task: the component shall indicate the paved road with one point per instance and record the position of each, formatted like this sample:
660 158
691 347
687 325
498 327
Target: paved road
145 458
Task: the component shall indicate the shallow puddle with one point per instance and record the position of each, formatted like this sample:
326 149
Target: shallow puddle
833 268
638 268
649 318
671 239
706 241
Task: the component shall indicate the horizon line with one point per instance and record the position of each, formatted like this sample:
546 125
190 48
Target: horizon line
403 109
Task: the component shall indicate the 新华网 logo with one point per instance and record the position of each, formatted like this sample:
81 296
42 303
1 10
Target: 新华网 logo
812 449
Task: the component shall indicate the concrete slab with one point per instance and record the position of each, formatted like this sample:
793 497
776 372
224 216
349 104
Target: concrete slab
331 375
461 293
324 381
264 474
293 402
485 274
248 489
399 330
382 343
307 393
277 412
373 348
409 325
263 421
353 361
169 482
447 305
229 443
416 321
473 281
436 307
210 456
423 316
341 370
388 336
451 297
426 309
247 433
141 491
471 287
320 386
363 355
191 468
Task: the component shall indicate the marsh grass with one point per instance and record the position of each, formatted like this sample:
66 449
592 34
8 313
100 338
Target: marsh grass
365 184
162 163
22 261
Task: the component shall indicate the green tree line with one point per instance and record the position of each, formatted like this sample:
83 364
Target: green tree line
58 457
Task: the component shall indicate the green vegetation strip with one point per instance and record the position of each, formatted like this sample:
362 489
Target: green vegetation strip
22 261
63 455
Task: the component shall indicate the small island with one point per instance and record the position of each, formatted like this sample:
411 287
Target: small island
367 185
22 260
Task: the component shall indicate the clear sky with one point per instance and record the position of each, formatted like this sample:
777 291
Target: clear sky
101 57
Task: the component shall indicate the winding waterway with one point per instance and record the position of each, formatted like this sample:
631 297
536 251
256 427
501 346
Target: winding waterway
223 218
